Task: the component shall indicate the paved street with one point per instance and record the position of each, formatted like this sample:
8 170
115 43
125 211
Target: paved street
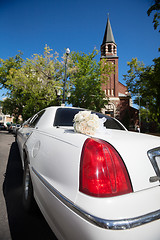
5 144
15 223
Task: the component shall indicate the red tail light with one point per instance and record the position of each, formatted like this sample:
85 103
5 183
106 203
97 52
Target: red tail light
102 171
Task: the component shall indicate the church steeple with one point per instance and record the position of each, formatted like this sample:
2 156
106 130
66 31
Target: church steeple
108 47
108 35
109 54
115 92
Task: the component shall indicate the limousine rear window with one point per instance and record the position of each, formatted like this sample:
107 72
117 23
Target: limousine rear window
65 116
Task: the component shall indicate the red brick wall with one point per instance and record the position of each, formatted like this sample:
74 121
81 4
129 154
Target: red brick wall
122 88
112 84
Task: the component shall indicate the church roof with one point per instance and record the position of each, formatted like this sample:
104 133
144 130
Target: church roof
108 35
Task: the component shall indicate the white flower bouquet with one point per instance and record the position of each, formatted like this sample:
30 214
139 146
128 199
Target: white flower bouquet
87 123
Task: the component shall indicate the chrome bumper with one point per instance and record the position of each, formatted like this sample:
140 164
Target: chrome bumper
121 224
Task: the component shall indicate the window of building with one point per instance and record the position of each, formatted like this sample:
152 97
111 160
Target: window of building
104 51
109 48
114 50
112 92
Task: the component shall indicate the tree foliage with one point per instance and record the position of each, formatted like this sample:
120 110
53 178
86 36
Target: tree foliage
156 18
155 8
9 108
86 90
33 84
6 66
133 77
144 84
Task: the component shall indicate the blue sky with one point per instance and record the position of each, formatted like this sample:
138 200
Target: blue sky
80 25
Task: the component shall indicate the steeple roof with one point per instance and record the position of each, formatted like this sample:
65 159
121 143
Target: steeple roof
108 35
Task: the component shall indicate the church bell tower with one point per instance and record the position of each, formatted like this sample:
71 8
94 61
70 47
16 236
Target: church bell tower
119 99
109 53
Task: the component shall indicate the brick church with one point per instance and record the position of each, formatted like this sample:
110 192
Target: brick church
120 102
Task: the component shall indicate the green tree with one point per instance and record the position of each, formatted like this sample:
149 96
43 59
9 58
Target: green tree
156 18
86 82
9 108
144 84
156 8
33 85
132 79
5 67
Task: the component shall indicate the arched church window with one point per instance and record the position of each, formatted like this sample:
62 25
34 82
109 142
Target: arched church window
109 48
114 50
104 50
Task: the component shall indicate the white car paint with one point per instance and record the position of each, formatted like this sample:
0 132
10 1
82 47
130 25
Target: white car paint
54 155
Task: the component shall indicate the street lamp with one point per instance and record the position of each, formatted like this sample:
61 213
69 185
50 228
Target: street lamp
58 94
65 76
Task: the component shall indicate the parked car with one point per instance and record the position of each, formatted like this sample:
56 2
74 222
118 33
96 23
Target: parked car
11 127
91 178
15 129
2 126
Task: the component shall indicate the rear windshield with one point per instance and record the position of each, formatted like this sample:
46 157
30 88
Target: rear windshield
65 116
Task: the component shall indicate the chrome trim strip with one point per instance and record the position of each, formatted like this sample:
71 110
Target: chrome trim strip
152 154
121 224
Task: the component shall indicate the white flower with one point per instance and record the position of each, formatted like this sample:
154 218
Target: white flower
76 127
86 123
83 124
78 118
81 116
91 123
